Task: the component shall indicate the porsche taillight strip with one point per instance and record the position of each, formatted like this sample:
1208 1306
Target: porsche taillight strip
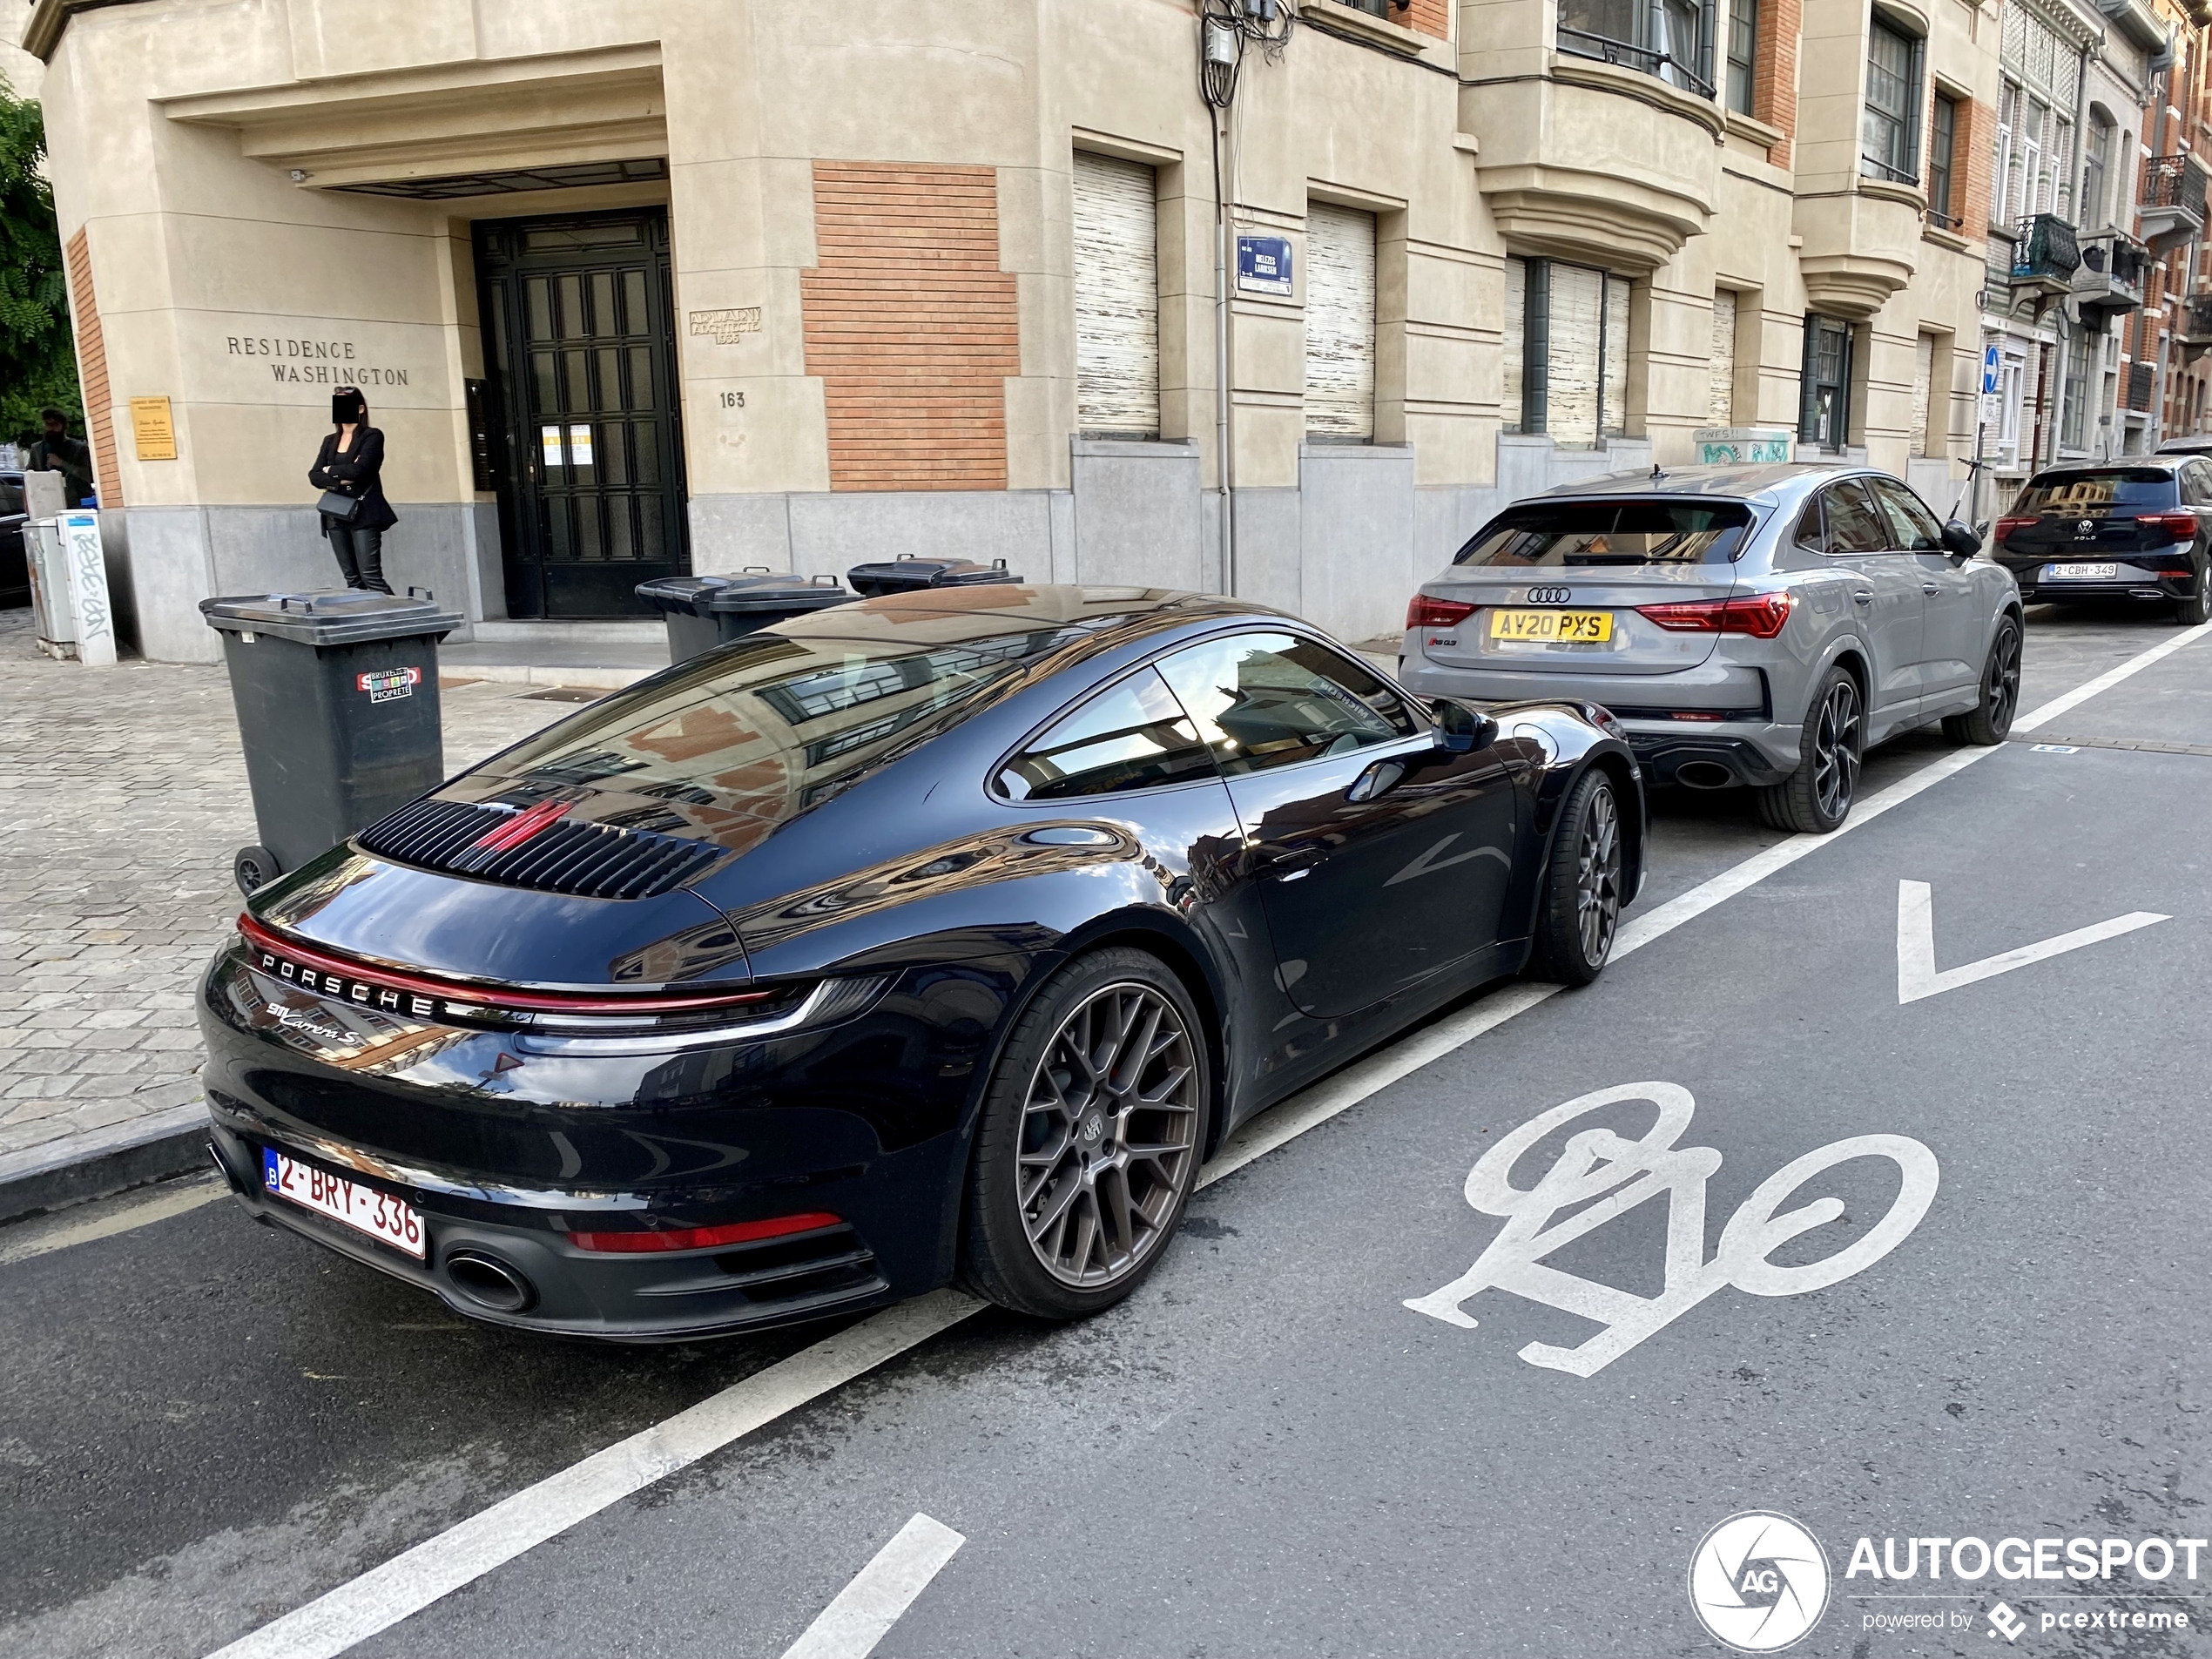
428 997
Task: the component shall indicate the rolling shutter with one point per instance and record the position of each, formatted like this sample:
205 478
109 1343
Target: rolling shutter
1117 297
1922 375
1577 312
1615 414
1722 393
1340 322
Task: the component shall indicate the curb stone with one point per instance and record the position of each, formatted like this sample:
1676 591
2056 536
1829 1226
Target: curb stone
102 1161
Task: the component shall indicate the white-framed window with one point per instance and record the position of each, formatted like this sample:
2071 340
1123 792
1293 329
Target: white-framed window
1721 382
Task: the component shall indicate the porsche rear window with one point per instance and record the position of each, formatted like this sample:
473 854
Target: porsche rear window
2104 488
777 724
1539 533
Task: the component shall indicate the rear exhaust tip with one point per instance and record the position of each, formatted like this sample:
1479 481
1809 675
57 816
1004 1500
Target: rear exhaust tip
1704 774
2149 593
489 1282
223 1168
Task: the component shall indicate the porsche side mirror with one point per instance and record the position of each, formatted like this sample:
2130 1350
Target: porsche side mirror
1462 729
1960 542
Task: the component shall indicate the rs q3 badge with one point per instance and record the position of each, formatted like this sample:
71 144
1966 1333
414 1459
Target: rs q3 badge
383 684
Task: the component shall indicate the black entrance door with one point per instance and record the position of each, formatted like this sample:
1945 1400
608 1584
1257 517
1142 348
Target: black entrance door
587 454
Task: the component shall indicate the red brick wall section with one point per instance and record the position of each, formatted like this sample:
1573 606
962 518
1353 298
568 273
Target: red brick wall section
92 369
1774 77
1430 17
911 325
1972 162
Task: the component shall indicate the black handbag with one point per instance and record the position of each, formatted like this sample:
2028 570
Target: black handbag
345 508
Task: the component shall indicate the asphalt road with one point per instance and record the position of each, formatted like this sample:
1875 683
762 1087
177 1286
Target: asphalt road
205 1424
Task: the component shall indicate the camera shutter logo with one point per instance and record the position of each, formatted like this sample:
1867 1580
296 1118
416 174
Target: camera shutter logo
382 684
1758 1582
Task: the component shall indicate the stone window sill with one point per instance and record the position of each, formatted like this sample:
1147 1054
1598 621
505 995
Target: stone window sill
1757 132
1331 17
1942 238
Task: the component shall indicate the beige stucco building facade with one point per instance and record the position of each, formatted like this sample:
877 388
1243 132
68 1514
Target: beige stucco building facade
698 285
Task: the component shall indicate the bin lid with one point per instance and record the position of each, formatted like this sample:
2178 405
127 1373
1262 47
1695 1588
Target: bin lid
902 574
330 617
748 591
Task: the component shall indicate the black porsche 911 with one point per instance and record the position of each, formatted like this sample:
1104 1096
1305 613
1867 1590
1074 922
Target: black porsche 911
930 937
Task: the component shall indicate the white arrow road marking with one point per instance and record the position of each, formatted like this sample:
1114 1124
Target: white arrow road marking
1429 861
866 1609
1916 969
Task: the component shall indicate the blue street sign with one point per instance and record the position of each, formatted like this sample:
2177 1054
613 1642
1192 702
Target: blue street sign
1989 367
1263 265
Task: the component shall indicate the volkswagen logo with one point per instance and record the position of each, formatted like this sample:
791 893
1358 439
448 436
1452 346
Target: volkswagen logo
1550 596
2087 527
1758 1582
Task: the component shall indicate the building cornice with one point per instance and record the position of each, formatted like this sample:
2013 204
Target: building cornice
50 18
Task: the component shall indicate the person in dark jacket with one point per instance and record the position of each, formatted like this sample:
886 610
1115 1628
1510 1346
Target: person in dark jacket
351 464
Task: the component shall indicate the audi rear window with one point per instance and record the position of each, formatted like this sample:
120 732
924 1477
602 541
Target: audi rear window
2149 488
1540 534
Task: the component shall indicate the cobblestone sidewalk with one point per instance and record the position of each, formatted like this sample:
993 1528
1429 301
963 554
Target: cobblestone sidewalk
122 799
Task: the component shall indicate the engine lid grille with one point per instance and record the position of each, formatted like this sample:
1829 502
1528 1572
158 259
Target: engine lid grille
552 854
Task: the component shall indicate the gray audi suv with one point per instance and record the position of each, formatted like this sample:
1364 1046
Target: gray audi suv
1749 626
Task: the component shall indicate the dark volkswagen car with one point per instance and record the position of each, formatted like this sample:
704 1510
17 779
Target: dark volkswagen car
2138 530
936 935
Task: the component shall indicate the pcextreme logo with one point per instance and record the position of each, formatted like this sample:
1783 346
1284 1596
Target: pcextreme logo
1758 1582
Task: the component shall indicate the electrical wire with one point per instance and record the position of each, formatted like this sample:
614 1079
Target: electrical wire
1267 24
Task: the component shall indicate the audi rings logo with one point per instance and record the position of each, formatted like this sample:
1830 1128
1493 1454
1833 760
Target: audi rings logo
1550 596
1758 1582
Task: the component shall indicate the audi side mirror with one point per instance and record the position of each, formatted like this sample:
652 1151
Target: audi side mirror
1461 729
1960 542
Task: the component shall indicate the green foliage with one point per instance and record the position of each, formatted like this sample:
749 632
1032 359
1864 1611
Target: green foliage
37 359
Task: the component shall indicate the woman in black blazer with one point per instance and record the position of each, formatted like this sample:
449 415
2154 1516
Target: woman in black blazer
350 463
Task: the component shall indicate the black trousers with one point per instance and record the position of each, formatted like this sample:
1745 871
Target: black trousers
361 555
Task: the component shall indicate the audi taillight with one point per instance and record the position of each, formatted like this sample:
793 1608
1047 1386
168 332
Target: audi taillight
643 1241
1429 611
2006 526
1759 615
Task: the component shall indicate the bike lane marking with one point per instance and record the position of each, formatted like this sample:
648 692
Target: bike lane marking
352 1612
1918 977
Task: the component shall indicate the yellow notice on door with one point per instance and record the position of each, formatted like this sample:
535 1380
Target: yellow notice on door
156 434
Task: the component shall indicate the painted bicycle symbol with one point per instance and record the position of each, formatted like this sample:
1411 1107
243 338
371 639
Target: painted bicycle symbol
1601 1175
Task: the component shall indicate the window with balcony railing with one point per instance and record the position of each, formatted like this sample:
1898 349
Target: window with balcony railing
2175 181
1671 40
1889 131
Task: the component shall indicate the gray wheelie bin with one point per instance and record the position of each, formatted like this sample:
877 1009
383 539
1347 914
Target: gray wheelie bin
911 574
337 700
703 611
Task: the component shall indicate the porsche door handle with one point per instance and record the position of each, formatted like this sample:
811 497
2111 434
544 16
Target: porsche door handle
1861 595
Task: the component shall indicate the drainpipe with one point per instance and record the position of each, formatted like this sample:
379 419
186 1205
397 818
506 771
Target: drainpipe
1222 400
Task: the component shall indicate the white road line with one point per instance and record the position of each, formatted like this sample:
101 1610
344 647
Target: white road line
866 1609
1917 977
115 1221
412 1579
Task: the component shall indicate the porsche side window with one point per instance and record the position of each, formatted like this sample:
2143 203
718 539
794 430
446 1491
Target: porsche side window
1263 701
1133 736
